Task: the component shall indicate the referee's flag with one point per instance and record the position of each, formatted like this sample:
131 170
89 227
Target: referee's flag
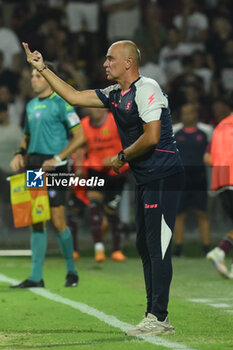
29 205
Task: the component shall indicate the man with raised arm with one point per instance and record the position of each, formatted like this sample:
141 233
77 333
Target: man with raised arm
143 118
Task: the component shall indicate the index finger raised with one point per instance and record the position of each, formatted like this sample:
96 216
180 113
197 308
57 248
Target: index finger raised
26 48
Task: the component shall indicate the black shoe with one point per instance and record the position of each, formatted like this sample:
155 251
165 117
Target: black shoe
71 280
29 284
205 250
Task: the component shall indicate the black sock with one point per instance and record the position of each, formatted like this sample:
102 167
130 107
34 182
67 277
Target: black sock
95 218
178 250
116 228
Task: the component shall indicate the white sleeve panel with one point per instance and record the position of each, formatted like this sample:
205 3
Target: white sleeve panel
207 129
149 99
106 91
177 127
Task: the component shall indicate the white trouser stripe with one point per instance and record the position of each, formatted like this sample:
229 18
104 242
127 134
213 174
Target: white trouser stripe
166 235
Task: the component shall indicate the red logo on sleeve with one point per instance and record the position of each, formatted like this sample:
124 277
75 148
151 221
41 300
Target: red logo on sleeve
151 98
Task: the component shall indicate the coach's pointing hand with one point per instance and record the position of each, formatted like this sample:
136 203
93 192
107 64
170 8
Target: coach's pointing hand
34 58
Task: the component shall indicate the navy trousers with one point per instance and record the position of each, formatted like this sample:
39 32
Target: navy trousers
156 207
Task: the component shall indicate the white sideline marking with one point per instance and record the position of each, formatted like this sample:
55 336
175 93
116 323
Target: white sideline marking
210 300
220 305
110 320
15 252
214 302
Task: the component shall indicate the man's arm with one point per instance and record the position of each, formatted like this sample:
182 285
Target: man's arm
17 162
78 140
148 139
144 143
86 98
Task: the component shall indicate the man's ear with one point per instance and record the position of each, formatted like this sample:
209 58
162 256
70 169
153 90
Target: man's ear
129 62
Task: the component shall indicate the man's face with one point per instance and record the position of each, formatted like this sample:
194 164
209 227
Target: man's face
115 62
39 84
189 114
220 111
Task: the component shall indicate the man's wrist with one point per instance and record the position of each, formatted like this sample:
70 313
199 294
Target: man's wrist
42 69
21 150
121 156
57 158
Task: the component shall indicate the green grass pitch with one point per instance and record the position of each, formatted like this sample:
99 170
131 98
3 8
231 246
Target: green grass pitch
201 307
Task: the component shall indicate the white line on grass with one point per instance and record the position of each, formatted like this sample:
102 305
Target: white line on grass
110 320
212 302
220 306
209 300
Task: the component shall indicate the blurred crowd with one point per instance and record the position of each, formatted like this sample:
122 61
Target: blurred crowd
186 45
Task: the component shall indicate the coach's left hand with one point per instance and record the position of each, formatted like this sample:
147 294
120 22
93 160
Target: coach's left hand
116 164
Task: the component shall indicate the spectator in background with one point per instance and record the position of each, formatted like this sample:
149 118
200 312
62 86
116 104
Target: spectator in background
203 66
14 103
27 19
25 93
9 44
171 55
221 160
220 32
188 77
25 89
220 109
49 32
150 69
225 69
192 140
103 141
152 34
188 86
54 38
197 97
8 77
192 24
223 8
123 18
73 75
83 24
10 137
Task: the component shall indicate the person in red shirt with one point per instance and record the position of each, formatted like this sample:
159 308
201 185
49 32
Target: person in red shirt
103 141
221 159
